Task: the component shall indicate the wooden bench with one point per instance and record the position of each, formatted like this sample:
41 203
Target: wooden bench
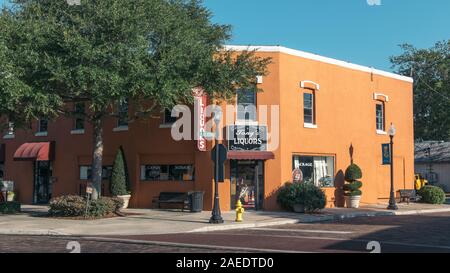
407 195
177 198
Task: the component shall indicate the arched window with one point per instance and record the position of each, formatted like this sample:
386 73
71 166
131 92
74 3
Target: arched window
309 103
380 112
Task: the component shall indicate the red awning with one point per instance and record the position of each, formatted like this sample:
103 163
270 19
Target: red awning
250 155
39 151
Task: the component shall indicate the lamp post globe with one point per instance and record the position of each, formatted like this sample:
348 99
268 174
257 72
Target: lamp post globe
392 205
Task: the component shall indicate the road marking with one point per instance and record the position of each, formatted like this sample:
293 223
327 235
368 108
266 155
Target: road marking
304 230
339 239
187 245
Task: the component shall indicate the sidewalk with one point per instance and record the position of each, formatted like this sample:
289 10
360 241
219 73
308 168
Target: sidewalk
144 221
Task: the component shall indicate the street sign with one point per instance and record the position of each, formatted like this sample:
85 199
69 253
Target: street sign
386 153
219 156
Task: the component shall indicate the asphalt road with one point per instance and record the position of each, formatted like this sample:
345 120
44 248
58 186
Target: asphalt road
424 233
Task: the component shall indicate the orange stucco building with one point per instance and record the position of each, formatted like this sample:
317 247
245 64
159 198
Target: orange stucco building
327 110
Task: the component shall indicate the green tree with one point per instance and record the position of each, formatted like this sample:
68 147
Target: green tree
430 70
119 177
150 53
19 101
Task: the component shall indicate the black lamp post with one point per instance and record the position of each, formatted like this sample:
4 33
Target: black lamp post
392 204
216 217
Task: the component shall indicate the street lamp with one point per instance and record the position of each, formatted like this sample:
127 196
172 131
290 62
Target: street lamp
216 217
392 205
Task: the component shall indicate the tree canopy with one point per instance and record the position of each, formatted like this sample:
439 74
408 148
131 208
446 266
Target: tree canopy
430 70
105 52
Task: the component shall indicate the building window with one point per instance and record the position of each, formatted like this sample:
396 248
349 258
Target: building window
42 125
167 173
122 113
79 111
10 128
308 108
379 109
86 172
315 169
246 104
168 119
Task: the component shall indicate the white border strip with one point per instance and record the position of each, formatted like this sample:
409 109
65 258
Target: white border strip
311 56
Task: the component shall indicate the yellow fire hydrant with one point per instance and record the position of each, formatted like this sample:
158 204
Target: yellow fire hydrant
239 211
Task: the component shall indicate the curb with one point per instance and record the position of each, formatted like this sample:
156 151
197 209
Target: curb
319 219
234 226
41 232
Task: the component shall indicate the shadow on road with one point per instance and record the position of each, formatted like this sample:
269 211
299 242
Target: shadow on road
424 233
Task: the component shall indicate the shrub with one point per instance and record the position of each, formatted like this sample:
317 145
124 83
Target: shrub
9 207
118 185
306 194
74 206
68 205
352 174
286 196
432 195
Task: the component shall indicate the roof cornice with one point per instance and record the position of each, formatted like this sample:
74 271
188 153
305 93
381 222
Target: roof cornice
315 57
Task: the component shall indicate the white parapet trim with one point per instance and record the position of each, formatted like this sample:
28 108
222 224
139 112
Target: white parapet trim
315 57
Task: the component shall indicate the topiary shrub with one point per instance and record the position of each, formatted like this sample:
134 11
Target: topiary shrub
432 195
118 185
352 174
311 197
9 207
75 206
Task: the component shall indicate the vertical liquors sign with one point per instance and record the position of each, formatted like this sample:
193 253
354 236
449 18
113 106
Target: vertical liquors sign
200 98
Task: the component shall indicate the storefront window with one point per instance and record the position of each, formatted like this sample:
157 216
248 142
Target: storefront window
167 172
316 169
86 172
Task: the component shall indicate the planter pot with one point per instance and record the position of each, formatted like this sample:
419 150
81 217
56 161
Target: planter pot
126 200
299 208
352 201
10 197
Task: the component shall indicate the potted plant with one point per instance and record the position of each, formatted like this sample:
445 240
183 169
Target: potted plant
11 196
120 185
352 188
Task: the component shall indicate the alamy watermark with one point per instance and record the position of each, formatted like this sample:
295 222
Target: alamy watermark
253 120
73 2
374 2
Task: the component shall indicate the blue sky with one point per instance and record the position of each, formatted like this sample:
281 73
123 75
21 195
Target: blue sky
350 30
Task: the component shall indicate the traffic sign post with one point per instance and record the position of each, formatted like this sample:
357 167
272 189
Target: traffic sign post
219 156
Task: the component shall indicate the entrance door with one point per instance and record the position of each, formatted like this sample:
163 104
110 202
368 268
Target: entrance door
247 183
42 182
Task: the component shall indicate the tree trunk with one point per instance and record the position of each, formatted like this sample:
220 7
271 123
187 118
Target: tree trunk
97 161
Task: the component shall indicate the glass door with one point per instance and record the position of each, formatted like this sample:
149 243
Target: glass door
42 182
247 184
